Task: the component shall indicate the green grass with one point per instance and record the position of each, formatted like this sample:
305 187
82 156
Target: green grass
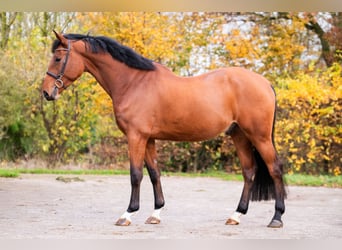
214 174
312 180
8 173
17 172
295 179
74 172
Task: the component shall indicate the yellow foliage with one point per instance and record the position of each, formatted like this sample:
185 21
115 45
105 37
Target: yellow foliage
337 171
149 33
309 130
241 49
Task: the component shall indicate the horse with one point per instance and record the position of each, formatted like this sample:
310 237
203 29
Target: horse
152 103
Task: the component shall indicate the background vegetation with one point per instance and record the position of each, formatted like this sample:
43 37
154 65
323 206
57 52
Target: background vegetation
300 53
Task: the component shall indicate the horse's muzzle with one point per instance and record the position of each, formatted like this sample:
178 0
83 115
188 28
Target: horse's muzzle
48 97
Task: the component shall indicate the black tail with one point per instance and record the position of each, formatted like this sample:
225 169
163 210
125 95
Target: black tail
263 185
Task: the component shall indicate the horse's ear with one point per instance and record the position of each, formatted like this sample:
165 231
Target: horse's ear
61 38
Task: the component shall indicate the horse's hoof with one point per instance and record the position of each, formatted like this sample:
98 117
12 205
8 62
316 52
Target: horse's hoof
232 222
122 222
152 220
275 224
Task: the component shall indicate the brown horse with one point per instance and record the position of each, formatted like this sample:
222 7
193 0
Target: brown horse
151 103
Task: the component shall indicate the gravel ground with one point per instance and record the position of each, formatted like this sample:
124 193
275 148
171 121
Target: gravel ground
41 207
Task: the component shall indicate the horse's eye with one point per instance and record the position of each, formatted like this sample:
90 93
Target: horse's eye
57 59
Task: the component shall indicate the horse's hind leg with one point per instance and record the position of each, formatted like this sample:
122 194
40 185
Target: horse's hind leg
245 153
154 172
269 156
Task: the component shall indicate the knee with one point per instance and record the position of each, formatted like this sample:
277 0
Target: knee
136 176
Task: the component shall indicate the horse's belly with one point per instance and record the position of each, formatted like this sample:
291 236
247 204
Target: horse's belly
192 130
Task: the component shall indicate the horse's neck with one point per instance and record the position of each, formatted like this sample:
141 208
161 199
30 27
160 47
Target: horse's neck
109 73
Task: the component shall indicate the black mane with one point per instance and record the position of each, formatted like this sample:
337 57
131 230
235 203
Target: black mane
124 54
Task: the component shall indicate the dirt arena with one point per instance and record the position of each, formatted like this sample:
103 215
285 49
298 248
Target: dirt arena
41 207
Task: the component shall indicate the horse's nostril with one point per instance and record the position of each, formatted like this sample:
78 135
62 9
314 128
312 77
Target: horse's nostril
47 96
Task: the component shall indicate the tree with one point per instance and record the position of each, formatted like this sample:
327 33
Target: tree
330 38
334 36
31 125
309 124
7 19
282 46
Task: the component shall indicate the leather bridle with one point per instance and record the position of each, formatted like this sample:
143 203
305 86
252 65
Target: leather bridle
58 78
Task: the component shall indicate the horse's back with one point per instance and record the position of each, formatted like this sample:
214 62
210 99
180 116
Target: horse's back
244 88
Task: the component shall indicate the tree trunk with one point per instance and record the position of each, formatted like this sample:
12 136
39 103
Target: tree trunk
7 19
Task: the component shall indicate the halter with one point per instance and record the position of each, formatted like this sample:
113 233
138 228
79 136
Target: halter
59 82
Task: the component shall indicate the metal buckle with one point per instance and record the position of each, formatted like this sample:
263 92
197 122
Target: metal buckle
59 83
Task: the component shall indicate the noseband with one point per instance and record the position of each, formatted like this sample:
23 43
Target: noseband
59 82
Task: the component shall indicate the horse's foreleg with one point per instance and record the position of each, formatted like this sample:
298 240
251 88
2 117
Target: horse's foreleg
136 145
154 173
245 154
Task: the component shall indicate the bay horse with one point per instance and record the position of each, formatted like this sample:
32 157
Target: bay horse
152 103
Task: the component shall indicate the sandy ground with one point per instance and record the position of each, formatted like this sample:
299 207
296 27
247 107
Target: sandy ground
40 207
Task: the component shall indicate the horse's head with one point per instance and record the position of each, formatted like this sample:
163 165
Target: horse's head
65 67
